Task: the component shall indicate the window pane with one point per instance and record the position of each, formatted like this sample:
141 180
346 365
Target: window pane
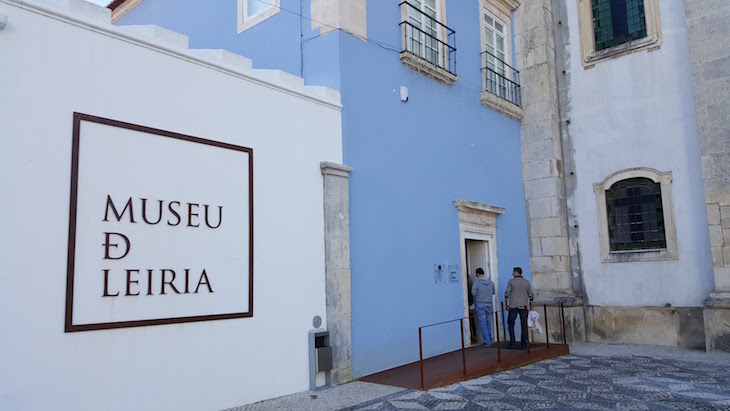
488 20
635 216
617 21
500 44
499 27
255 7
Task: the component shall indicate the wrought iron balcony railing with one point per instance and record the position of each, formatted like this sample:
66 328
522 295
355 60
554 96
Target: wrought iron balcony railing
500 78
428 39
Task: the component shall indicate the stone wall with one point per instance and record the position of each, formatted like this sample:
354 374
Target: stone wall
542 156
541 147
708 33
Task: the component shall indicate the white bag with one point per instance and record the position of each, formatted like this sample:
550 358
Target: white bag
532 321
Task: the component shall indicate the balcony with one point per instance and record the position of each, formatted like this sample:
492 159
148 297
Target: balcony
501 86
424 48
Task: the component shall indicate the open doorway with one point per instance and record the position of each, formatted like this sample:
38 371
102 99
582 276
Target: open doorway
478 232
480 254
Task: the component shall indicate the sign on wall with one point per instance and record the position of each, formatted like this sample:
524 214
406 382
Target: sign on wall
160 228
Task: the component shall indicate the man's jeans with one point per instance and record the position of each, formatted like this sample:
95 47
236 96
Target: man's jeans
484 315
511 325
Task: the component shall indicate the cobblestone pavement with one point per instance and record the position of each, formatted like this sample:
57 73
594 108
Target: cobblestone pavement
594 377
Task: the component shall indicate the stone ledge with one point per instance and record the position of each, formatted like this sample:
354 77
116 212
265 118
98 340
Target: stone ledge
718 300
335 169
501 105
465 205
652 42
555 299
640 255
424 67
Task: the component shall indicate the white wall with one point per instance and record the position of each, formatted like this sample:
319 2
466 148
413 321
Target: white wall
52 67
638 111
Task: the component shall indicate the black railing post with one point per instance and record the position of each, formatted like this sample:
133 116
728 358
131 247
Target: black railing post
420 351
524 329
562 320
499 348
504 324
463 350
547 334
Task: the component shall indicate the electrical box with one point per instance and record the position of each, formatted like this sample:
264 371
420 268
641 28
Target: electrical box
320 356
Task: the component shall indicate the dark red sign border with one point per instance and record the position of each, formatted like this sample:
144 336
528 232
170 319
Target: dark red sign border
70 327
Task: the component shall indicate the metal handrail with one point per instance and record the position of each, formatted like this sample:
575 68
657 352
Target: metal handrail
514 70
499 350
451 48
509 89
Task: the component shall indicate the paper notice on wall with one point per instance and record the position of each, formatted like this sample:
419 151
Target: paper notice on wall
439 277
453 274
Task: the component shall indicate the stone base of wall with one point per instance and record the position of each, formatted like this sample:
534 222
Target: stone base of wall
574 324
717 323
665 326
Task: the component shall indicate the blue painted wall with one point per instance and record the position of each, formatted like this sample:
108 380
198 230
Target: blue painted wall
410 160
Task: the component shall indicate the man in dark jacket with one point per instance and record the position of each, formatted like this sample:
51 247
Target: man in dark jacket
483 291
518 297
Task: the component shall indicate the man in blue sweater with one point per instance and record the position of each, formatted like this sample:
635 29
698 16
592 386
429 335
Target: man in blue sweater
483 291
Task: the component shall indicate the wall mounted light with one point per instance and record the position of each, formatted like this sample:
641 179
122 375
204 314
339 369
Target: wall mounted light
403 94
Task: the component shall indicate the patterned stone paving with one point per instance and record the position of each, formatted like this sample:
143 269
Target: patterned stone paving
578 382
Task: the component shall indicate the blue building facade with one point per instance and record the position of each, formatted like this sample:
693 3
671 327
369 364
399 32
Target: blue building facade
420 129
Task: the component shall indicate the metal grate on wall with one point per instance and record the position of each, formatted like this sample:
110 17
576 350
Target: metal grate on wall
635 215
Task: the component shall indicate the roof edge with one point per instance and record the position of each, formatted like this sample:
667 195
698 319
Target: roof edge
121 7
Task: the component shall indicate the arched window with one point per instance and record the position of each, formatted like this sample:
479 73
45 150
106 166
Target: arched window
635 216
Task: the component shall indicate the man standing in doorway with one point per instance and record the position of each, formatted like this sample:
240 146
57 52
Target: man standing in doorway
483 291
518 297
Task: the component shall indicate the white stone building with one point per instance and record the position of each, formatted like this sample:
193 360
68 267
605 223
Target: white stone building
616 94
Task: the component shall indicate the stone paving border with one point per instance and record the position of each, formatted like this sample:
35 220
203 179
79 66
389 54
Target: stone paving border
525 388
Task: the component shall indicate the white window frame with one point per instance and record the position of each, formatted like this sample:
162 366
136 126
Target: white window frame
501 11
506 40
423 65
590 57
665 182
423 23
245 23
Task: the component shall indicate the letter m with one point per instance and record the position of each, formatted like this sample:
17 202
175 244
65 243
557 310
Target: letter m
110 204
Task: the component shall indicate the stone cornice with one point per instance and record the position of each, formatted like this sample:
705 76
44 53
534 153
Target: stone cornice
494 102
471 206
510 4
424 67
335 169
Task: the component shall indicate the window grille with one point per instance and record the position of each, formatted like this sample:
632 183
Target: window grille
635 215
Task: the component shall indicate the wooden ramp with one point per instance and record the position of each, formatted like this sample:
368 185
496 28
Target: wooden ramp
449 368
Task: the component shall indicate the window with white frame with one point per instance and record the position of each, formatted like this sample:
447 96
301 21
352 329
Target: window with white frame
635 216
500 81
495 47
429 46
424 17
252 12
